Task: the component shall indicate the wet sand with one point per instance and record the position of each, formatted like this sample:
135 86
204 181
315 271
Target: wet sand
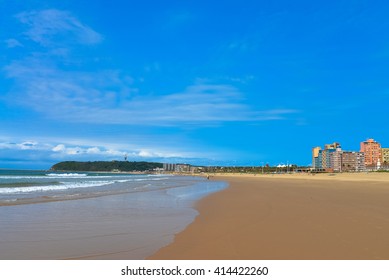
301 217
102 228
127 226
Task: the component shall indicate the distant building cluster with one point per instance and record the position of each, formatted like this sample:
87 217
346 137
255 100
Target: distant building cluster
332 158
180 168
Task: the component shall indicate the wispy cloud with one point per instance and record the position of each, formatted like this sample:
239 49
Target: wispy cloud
25 145
47 27
12 43
44 84
108 97
52 152
44 87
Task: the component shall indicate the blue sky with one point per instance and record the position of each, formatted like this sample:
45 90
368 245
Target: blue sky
202 82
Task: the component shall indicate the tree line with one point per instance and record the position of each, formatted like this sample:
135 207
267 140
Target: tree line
123 166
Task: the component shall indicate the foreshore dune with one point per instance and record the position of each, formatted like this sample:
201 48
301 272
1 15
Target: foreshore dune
291 217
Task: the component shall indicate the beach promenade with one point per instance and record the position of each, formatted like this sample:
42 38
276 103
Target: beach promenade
289 216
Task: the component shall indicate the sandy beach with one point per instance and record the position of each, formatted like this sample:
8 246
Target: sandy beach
290 216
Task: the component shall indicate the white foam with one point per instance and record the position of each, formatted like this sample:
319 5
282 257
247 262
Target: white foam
78 175
84 181
67 175
66 186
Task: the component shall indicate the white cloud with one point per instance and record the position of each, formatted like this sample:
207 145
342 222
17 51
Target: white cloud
93 150
107 152
28 145
43 84
12 43
108 96
48 151
75 151
88 152
145 154
6 145
47 27
112 152
59 148
24 145
149 154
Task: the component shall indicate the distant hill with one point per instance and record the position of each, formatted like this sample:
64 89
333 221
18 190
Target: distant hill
126 166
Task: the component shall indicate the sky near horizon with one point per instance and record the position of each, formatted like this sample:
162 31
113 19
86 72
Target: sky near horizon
199 82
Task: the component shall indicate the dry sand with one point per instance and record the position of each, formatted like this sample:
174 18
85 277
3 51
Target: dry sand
343 216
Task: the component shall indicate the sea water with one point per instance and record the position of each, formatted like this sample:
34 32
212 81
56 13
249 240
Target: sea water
54 215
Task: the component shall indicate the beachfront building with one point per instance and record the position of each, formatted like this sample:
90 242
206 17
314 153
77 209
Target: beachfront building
324 159
169 167
182 168
177 167
372 152
195 169
332 146
315 157
330 159
336 160
333 159
327 159
353 162
385 158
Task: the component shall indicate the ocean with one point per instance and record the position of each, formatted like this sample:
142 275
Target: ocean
88 215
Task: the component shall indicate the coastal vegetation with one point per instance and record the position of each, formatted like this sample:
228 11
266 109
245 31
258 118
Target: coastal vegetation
143 166
252 169
108 166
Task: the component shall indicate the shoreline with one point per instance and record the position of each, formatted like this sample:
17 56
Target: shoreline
289 216
129 225
46 198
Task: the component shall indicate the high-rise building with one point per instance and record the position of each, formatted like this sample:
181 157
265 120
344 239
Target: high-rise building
326 159
333 159
169 166
336 160
385 157
329 159
315 157
353 161
323 157
332 146
182 168
372 152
